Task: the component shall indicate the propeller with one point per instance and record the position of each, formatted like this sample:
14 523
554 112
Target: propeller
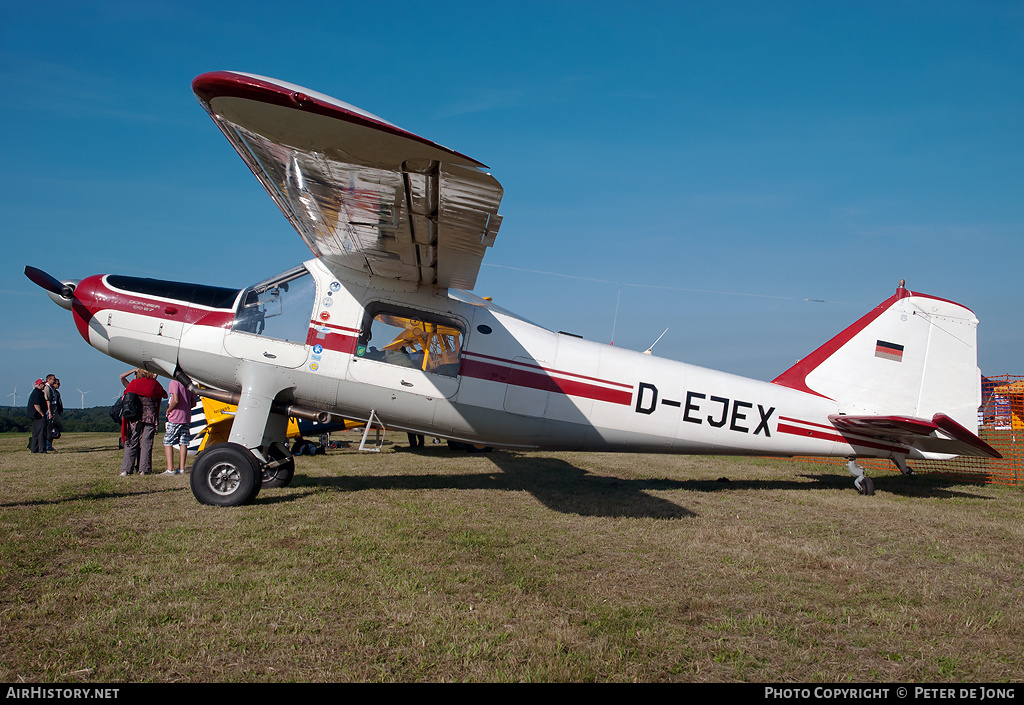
50 283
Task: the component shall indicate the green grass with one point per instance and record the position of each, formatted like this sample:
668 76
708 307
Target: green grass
444 566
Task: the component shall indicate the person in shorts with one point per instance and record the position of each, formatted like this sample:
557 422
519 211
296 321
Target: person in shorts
180 401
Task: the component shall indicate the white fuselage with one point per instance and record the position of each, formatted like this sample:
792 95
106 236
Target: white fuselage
516 385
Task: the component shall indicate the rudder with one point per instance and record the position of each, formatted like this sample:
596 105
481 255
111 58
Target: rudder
912 355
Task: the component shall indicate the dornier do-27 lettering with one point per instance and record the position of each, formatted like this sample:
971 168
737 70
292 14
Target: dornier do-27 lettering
724 412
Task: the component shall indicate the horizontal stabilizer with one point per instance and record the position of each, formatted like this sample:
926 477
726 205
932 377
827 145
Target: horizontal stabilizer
940 435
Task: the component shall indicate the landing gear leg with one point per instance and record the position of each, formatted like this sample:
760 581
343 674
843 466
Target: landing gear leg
864 484
232 473
901 463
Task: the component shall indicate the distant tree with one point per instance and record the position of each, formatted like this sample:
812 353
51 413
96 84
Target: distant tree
96 419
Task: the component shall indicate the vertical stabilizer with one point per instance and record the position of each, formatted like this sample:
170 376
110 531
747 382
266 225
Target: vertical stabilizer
912 355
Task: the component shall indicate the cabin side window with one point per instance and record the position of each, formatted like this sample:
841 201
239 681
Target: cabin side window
279 308
409 339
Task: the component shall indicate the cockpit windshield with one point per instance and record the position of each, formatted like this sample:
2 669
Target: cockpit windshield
279 307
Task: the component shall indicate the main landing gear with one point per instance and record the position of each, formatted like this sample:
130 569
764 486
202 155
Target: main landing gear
232 473
226 475
229 474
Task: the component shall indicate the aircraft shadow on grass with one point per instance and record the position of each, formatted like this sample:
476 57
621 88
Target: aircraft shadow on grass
565 488
90 496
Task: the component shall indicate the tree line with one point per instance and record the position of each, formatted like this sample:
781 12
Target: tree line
94 419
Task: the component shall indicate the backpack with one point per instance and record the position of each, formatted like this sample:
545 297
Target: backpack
128 407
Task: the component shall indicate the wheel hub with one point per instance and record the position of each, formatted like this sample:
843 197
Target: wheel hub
224 478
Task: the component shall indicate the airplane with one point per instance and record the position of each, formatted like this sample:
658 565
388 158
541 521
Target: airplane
398 226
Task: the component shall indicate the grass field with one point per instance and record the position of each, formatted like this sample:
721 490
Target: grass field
445 566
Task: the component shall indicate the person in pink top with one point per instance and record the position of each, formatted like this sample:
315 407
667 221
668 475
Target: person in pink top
179 413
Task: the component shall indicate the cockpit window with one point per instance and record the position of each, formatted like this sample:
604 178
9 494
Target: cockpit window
279 307
212 296
410 339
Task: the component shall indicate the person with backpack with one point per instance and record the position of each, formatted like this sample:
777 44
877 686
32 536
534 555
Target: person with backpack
138 428
54 408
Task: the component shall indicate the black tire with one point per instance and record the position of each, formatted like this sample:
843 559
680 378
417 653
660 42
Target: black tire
282 475
865 486
869 486
226 475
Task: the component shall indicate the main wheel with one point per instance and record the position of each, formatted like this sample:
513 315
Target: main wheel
226 475
282 475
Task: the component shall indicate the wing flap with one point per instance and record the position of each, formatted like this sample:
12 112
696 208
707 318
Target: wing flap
361 192
941 434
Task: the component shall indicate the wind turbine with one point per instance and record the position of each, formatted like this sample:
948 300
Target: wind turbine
15 395
83 396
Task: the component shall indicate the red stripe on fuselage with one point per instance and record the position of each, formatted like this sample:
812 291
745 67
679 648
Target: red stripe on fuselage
828 433
335 338
506 374
506 361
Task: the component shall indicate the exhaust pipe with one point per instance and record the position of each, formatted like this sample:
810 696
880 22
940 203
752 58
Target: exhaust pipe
301 412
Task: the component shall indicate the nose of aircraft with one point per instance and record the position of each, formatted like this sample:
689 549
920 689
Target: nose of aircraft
61 292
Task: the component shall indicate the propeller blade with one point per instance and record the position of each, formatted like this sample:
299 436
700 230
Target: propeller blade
48 282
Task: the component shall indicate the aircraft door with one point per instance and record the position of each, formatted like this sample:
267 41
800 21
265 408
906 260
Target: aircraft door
272 321
406 350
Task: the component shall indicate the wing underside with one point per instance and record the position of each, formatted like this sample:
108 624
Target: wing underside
361 192
940 435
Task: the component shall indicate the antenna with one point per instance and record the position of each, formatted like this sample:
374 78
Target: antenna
15 395
615 319
83 396
648 350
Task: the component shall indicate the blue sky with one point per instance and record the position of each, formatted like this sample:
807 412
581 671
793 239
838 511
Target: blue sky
752 176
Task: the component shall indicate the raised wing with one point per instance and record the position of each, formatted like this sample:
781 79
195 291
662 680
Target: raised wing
940 435
362 193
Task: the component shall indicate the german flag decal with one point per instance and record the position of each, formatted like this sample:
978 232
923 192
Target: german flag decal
889 351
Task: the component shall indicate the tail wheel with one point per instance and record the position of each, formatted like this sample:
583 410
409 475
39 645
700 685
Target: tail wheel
226 475
865 486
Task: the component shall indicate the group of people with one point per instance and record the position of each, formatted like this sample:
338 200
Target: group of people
137 435
45 408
